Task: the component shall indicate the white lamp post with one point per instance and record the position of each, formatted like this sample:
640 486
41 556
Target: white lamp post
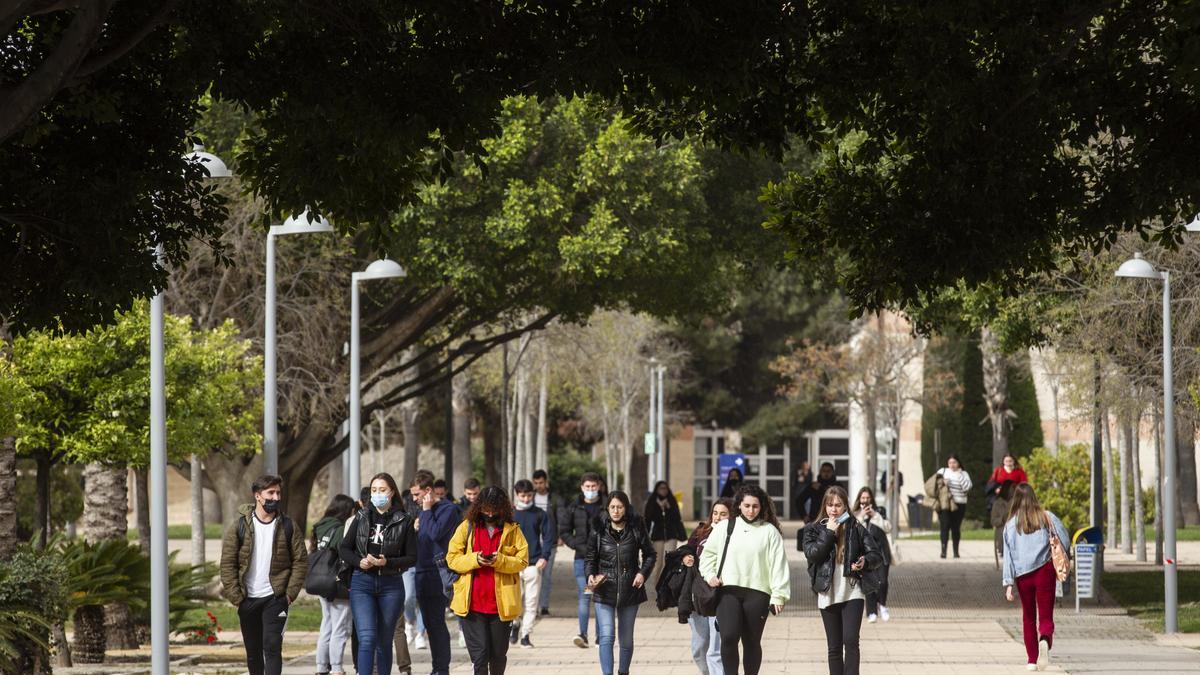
1139 268
660 437
160 629
380 269
304 223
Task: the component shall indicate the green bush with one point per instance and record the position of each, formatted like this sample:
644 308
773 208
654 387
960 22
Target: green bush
33 597
1062 482
567 467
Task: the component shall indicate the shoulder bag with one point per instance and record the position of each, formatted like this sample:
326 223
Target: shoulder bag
704 596
1058 554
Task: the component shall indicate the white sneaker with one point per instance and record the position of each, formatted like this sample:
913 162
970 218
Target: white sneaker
871 618
420 642
883 613
1043 661
409 633
1031 666
462 640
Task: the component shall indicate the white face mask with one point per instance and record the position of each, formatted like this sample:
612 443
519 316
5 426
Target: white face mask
522 505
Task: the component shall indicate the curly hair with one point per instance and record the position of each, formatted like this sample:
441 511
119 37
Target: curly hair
768 506
493 499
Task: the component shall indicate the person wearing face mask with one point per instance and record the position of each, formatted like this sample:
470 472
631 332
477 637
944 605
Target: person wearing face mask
535 525
575 528
841 555
263 565
379 545
619 560
434 528
880 530
665 524
746 562
489 552
733 481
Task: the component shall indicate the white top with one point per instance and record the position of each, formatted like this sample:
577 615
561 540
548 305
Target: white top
840 590
258 575
542 501
958 482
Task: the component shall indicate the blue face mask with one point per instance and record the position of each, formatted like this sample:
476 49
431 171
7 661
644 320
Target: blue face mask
591 494
380 500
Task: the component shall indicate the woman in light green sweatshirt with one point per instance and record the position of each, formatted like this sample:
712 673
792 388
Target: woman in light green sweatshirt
746 562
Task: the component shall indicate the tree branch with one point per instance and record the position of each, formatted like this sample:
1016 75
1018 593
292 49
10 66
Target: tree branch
108 56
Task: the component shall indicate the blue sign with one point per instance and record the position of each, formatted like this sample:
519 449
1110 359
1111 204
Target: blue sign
731 460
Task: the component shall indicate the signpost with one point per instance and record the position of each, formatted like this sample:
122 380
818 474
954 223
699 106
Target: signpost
1085 572
649 444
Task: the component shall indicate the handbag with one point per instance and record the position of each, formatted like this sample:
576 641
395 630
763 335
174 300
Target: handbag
704 596
448 576
1058 554
324 568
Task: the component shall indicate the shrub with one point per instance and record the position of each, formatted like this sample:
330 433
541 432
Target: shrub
1062 482
566 468
32 599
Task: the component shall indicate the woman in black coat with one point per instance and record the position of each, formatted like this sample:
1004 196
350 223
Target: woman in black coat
619 560
664 524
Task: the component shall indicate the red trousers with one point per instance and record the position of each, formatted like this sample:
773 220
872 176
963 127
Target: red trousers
1037 607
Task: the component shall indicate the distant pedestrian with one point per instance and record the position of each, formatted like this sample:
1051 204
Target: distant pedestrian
552 503
1029 565
414 622
826 478
733 480
952 510
379 546
1008 474
840 556
263 564
800 496
535 526
619 559
575 529
879 529
335 610
435 526
471 488
751 577
664 524
489 552
706 640
440 490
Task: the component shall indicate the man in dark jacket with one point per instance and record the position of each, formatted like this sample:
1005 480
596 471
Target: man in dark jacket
574 528
263 564
439 518
471 488
552 504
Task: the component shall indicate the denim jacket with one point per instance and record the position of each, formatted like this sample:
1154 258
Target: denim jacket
1025 553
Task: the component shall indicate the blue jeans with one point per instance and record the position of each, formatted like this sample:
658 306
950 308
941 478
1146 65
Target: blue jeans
547 575
585 601
376 602
623 617
412 615
706 644
433 608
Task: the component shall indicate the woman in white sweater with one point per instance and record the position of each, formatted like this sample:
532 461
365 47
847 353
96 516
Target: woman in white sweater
746 562
960 484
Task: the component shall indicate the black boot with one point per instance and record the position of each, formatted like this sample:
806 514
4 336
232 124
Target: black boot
943 550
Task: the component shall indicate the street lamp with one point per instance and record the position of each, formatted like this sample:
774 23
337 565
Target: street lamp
380 269
1139 268
160 629
305 223
651 449
660 437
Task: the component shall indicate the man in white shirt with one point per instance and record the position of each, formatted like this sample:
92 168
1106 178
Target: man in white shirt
263 565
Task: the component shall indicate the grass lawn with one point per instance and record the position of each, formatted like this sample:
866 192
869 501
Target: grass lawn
985 534
305 615
1142 594
211 531
968 535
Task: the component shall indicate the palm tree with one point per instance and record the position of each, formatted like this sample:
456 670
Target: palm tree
100 573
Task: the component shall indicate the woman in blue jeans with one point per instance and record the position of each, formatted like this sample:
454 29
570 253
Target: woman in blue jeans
379 546
619 559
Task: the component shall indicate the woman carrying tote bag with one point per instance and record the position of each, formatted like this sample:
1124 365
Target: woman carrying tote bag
1033 538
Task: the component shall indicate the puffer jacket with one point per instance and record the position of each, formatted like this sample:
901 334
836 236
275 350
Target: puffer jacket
820 544
399 545
937 490
616 557
289 558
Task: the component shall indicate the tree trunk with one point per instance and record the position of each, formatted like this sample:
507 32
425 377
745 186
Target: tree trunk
541 460
196 488
995 388
492 442
461 453
410 412
1110 482
105 502
520 435
1057 420
59 636
90 640
610 460
1126 450
872 419
8 497
1139 509
1186 447
626 452
43 497
335 477
231 478
141 504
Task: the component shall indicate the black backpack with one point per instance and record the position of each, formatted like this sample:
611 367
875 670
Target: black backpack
325 571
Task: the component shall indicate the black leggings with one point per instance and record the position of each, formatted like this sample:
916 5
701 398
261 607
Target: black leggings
742 615
951 524
842 624
487 642
874 600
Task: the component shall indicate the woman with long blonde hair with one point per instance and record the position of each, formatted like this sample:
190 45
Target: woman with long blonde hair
1028 565
840 554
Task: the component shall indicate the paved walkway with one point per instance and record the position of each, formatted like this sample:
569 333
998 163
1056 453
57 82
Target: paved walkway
948 616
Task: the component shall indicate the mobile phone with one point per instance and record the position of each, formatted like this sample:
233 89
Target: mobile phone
843 518
774 612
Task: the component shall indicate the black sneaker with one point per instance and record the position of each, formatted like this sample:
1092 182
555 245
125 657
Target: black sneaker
580 641
525 643
545 611
514 634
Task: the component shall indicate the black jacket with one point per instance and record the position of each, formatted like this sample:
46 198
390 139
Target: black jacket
664 524
668 587
617 558
575 526
398 541
820 546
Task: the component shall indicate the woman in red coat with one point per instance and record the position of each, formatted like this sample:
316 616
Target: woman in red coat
1009 473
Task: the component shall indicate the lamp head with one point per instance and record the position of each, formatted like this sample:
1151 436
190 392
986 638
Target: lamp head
302 223
211 163
383 268
1138 267
1193 226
